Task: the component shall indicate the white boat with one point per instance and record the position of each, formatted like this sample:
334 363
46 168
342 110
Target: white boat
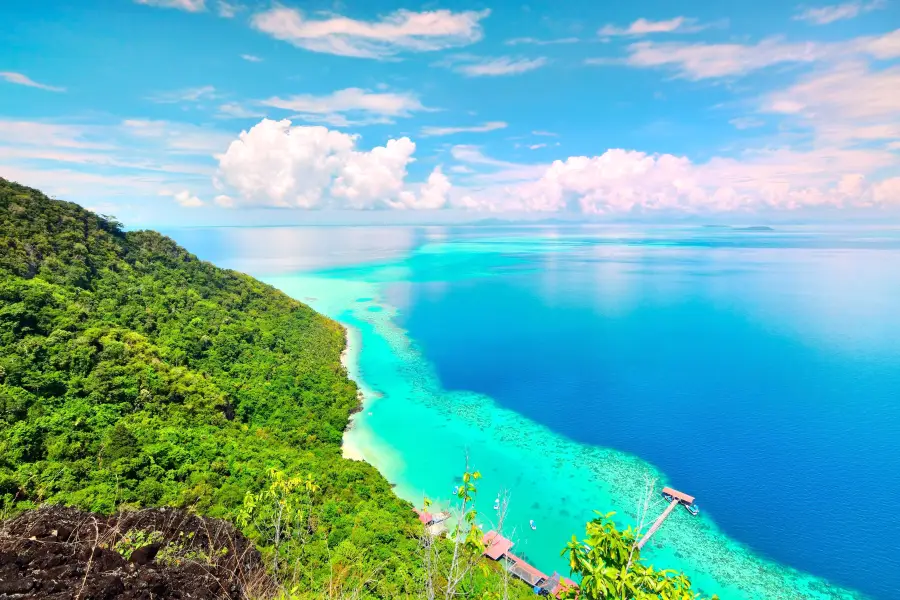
531 522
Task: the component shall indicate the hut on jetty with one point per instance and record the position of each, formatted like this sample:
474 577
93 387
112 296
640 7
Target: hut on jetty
497 547
674 498
435 523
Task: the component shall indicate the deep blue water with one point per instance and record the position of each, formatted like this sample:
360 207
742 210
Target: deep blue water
761 375
759 371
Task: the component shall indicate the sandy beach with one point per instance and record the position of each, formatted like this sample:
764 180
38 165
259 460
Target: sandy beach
354 444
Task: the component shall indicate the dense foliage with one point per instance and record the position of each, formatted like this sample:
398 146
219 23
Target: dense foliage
611 567
132 373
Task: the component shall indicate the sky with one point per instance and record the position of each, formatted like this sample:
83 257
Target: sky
212 112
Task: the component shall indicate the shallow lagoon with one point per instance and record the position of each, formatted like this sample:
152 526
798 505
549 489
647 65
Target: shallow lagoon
757 371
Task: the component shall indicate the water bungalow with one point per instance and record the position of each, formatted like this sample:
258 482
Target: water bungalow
498 548
434 522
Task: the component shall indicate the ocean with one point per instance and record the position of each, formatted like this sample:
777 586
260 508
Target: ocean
576 365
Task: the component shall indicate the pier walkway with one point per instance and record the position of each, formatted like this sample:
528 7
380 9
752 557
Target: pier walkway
676 499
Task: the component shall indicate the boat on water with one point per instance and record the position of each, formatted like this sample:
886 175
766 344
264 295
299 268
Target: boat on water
693 509
497 503
531 522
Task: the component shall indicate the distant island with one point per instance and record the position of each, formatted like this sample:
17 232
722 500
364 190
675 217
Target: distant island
732 228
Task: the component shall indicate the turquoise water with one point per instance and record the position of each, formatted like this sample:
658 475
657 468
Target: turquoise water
755 371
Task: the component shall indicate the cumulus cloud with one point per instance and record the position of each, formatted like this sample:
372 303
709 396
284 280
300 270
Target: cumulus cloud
489 126
184 198
277 164
644 27
401 31
20 79
630 182
371 107
433 194
492 67
824 15
187 5
224 201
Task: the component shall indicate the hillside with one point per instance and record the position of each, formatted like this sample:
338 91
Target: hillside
133 374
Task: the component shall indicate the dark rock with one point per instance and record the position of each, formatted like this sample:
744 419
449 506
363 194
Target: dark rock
145 555
72 556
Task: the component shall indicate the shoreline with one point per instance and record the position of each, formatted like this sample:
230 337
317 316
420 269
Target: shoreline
358 441
350 449
500 441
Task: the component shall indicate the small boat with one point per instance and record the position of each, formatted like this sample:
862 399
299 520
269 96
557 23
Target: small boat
497 503
693 509
531 522
455 490
667 497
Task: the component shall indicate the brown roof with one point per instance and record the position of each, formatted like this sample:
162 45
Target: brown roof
680 495
495 545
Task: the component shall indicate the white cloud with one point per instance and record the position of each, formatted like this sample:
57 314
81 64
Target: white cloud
703 61
545 133
228 10
504 65
179 138
276 164
184 198
631 182
489 126
52 135
505 171
433 194
882 47
643 27
233 110
251 58
529 41
20 79
401 31
746 122
197 94
824 15
537 146
846 103
378 107
188 5
461 169
224 201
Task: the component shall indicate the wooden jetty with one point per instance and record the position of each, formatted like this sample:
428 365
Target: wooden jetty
497 547
676 499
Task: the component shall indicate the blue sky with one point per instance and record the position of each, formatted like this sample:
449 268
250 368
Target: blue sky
175 111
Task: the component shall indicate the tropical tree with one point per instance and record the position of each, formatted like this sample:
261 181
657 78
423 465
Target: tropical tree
610 566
